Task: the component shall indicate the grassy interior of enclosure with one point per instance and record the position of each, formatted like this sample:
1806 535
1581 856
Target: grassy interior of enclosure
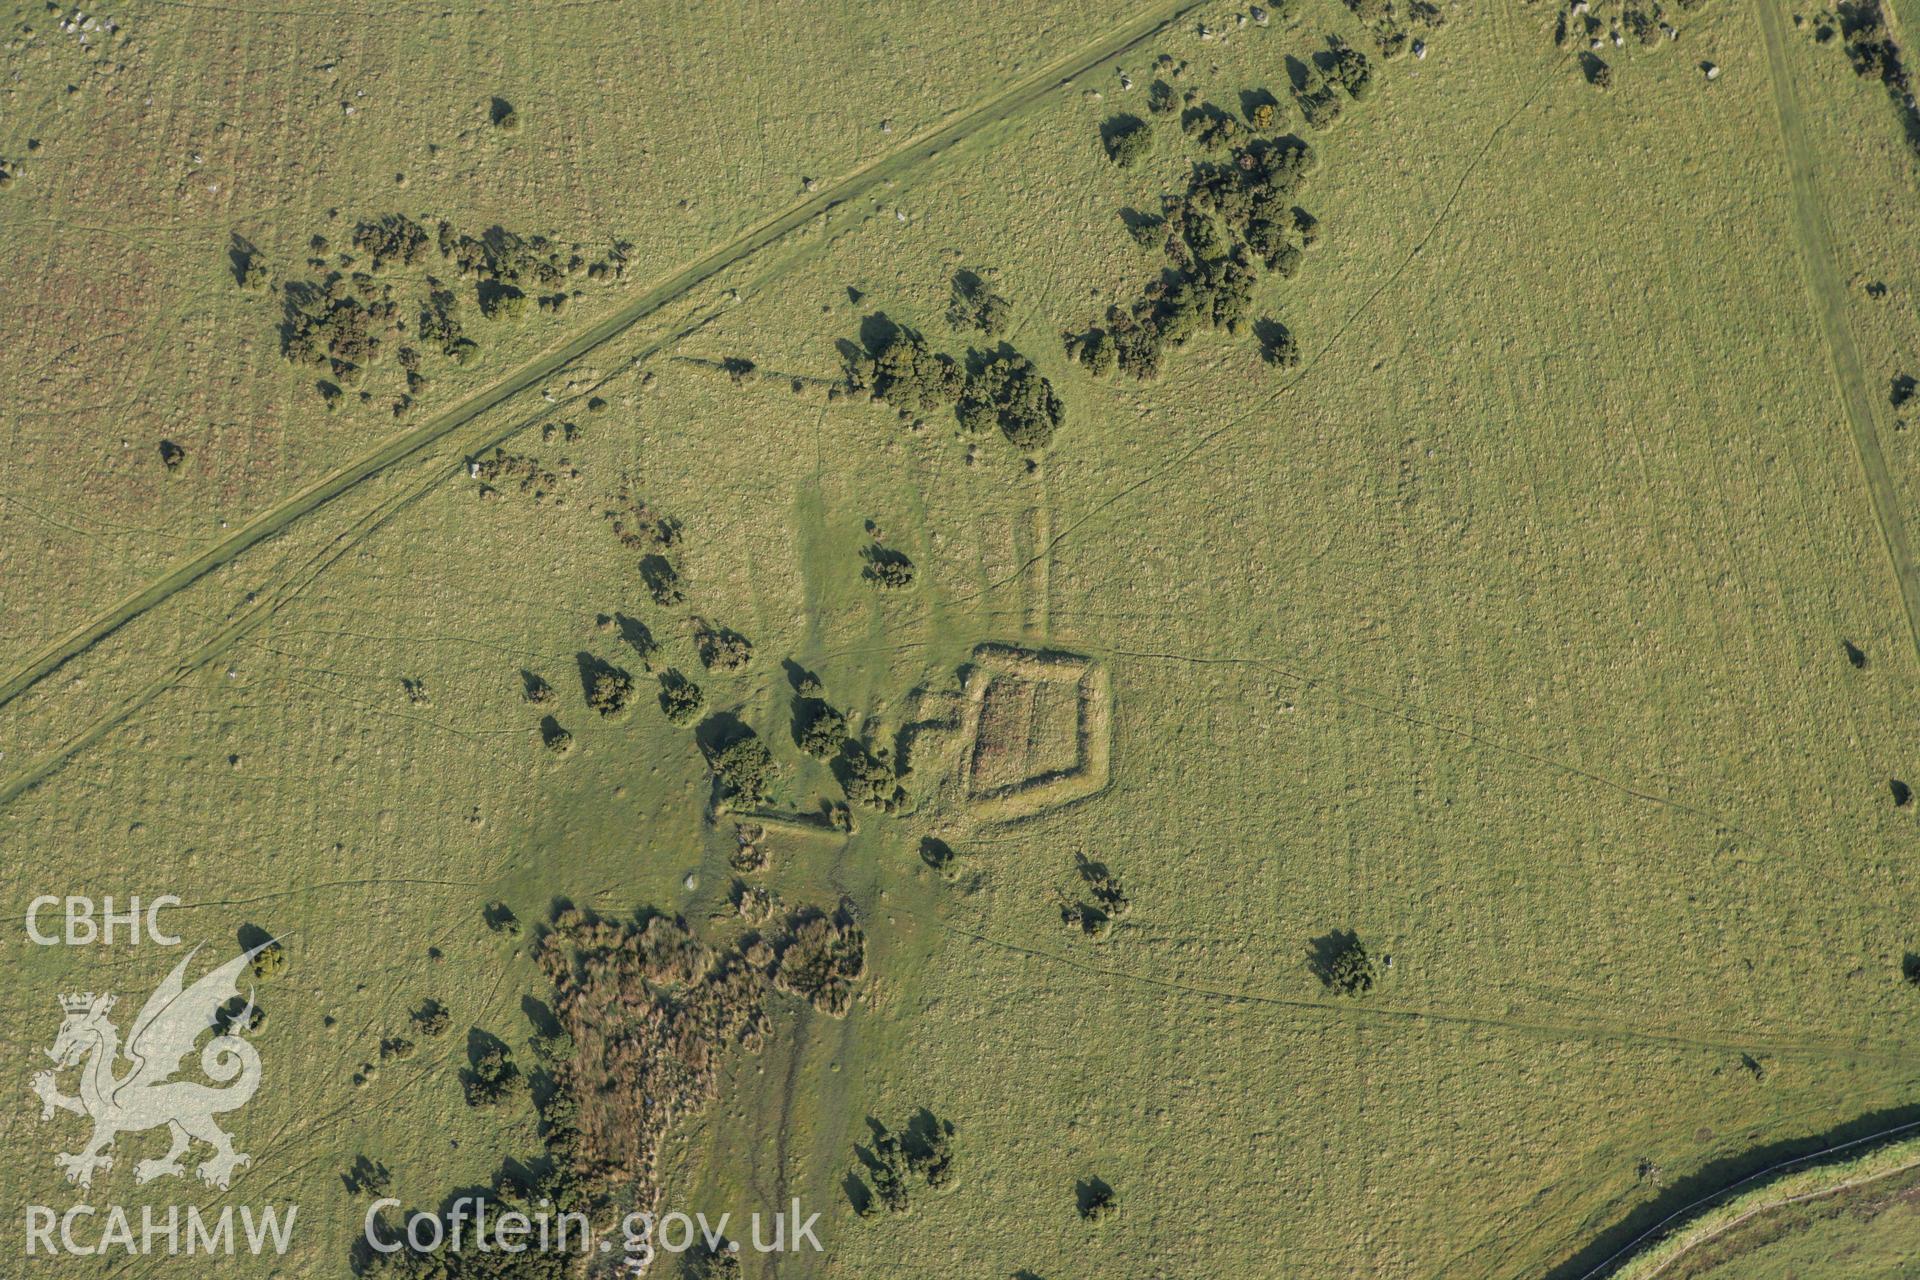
1506 630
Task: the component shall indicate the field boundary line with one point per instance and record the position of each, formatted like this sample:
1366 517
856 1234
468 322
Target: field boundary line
1827 297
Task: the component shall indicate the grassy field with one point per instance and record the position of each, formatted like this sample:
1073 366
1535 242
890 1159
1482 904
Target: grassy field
1506 630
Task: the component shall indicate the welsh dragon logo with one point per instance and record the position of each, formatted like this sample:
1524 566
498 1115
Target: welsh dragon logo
144 1095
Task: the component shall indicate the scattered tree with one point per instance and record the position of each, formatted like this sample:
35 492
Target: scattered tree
662 580
887 568
431 1018
1006 389
1095 1199
744 769
367 1177
680 698
1342 964
821 959
270 961
906 373
608 689
820 730
720 649
491 1076
868 777
975 306
499 917
1129 140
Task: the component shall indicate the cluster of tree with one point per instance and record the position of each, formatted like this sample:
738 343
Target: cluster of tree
1383 21
1005 389
500 301
680 698
1235 217
715 1260
754 903
820 959
439 327
325 325
887 568
1212 129
744 769
608 688
367 1177
975 306
393 238
562 1180
521 472
1278 346
1000 388
338 320
906 373
431 1018
491 1076
868 776
270 961
720 648
662 580
923 1153
644 1018
1319 80
552 1045
409 359
940 857
819 728
238 1017
637 636
503 258
1643 26
640 528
